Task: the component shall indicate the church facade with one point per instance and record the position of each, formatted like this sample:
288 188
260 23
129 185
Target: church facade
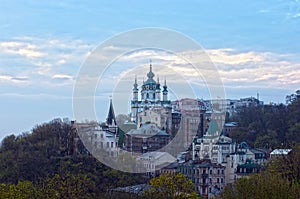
153 105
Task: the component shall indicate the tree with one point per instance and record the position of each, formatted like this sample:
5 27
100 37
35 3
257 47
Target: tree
171 186
68 186
281 179
122 118
22 190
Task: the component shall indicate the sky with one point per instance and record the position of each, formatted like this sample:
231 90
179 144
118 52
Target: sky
43 45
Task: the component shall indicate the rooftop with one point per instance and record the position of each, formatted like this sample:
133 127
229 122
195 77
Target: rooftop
280 152
148 130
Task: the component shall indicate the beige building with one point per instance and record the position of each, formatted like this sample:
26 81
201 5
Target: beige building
190 124
162 117
213 145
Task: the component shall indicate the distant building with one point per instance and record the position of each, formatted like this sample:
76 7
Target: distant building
151 98
279 152
247 168
170 168
208 177
147 138
123 129
162 117
190 124
176 119
244 161
134 191
153 162
99 138
212 145
229 127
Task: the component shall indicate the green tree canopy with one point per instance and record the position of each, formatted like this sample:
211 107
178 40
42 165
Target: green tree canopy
171 186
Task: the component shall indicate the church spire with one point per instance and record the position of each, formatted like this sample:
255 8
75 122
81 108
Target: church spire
165 91
150 75
111 119
135 85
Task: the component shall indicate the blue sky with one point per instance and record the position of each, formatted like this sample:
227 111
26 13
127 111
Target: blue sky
255 45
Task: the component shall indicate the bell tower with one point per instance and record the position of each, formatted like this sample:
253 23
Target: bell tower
134 101
165 92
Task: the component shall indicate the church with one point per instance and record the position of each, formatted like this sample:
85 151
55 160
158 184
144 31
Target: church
153 105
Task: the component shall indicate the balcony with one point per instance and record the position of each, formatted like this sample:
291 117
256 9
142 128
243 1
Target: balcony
204 175
203 184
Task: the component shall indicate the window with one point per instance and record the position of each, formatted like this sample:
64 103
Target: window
222 180
222 171
218 171
210 171
147 95
204 171
153 95
107 144
111 144
145 113
218 180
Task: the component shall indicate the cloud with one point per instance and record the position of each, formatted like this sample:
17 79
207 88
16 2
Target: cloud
232 57
62 77
21 48
14 80
263 69
55 62
236 68
42 59
19 78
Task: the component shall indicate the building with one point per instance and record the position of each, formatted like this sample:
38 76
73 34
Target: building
176 119
244 161
229 127
208 177
153 162
151 98
187 119
213 145
247 168
279 152
100 138
162 117
147 138
169 168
